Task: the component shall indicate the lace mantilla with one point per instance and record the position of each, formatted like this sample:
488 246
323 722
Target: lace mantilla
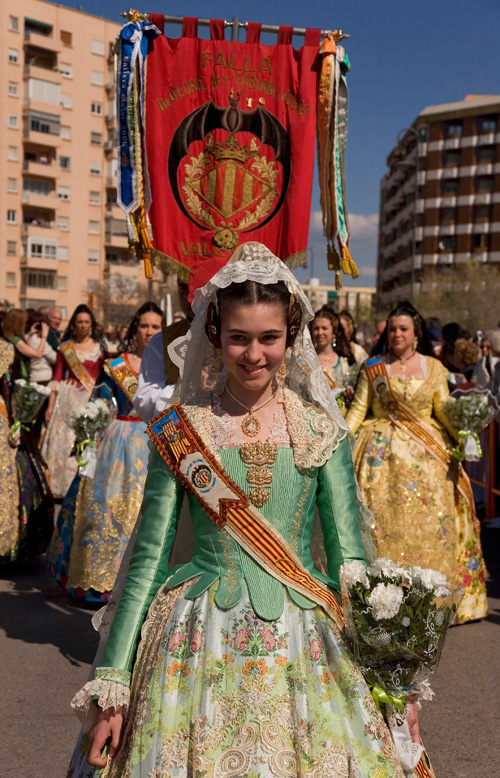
102 694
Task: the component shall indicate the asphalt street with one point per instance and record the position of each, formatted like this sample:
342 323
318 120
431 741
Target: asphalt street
47 645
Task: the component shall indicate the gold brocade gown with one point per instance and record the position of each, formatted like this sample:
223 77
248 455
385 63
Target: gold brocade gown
420 517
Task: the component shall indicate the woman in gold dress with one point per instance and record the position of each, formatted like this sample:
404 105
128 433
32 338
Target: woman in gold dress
419 494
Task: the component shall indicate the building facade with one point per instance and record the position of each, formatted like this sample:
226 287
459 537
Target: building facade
63 234
440 198
355 299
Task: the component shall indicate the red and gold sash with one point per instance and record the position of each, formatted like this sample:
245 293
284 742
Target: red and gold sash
229 507
122 374
77 367
406 420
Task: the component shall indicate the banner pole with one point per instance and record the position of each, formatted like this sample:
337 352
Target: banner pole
235 31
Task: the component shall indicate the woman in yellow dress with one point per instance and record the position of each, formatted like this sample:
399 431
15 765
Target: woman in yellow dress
419 494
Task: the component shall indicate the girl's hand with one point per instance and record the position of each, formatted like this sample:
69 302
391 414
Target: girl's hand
45 329
109 724
412 720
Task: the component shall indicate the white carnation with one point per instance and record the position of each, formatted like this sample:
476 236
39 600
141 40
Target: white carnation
354 572
431 580
387 567
20 382
385 601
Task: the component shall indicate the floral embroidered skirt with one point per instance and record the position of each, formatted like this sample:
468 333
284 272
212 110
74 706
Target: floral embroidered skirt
98 514
223 693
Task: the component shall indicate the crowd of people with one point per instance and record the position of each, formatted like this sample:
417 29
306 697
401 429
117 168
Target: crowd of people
294 408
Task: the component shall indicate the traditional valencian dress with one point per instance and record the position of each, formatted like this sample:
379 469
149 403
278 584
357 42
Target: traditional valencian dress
26 505
420 497
222 667
98 514
75 374
336 374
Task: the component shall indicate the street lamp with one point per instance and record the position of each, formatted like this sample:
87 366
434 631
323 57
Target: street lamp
410 166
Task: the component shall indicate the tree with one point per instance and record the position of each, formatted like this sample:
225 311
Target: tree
468 293
116 298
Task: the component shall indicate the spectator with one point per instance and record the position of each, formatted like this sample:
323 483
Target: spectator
42 367
434 329
379 328
466 357
482 377
495 351
53 317
350 330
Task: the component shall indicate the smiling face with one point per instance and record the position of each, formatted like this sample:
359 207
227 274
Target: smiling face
149 325
400 334
253 341
321 332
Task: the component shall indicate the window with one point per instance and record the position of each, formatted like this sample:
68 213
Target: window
62 282
13 121
450 187
96 138
62 253
41 279
36 186
48 123
96 168
13 89
12 153
63 192
451 158
485 154
65 132
65 163
13 56
43 248
453 130
94 198
480 242
11 247
11 216
12 185
98 48
10 279
447 215
43 90
447 243
487 124
482 213
66 100
97 78
94 228
66 38
14 23
66 69
96 108
119 227
484 184
63 223
93 256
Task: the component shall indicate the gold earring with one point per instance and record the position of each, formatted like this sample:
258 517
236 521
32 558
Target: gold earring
216 366
415 343
282 373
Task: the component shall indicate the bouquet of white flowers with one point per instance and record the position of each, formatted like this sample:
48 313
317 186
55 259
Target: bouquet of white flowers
470 411
89 423
27 400
396 622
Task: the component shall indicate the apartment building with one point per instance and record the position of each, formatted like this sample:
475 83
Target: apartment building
440 198
355 299
62 233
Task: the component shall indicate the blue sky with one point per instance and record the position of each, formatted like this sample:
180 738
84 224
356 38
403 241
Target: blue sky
404 55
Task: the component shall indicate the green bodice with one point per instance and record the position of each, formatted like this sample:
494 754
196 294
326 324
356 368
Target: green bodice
217 557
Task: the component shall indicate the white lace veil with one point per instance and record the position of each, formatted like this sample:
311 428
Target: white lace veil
200 369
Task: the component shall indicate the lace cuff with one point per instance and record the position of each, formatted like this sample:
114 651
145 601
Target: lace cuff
53 385
99 693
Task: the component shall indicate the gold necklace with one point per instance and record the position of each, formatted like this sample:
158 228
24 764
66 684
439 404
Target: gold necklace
403 364
250 426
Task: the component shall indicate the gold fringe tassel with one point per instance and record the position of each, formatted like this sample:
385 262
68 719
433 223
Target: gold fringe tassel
348 265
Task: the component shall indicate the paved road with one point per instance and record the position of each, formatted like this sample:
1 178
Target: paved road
47 647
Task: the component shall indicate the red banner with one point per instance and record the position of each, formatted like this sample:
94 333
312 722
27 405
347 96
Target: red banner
229 136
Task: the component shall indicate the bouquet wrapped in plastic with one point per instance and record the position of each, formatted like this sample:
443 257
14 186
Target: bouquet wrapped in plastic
470 411
396 622
89 423
27 400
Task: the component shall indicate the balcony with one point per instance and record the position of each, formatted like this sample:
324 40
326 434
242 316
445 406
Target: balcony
43 169
41 228
51 74
47 42
50 201
116 241
42 138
